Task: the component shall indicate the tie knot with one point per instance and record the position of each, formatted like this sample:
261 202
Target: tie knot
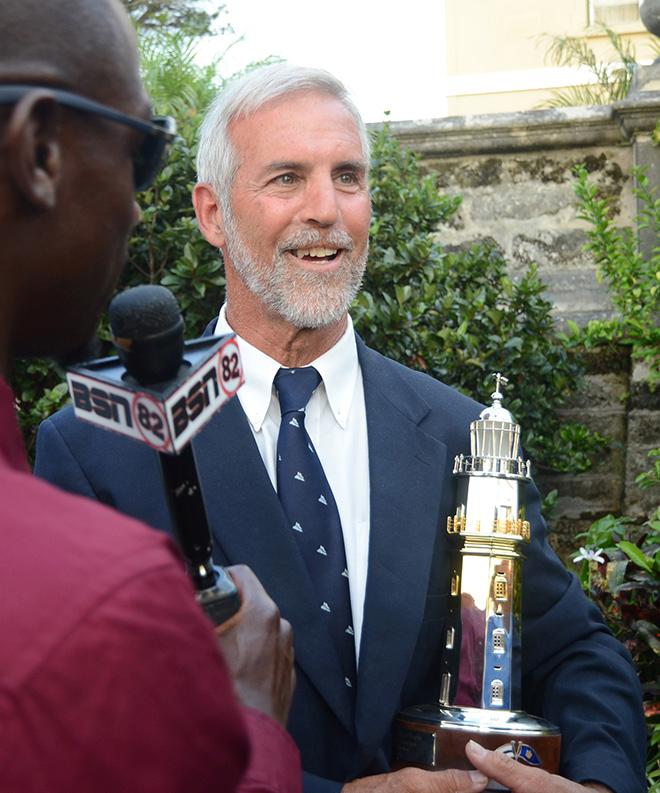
295 387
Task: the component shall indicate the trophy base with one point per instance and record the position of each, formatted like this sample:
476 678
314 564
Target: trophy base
433 737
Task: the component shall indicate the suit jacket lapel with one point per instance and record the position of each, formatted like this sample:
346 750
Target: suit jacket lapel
406 475
249 527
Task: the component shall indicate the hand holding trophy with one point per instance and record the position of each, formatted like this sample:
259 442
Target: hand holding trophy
478 702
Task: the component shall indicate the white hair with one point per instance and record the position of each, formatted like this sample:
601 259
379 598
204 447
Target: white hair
216 157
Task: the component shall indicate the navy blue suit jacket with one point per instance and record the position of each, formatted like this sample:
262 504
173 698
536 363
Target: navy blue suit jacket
574 673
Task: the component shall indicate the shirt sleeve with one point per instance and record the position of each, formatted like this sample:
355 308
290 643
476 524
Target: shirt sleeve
275 760
135 698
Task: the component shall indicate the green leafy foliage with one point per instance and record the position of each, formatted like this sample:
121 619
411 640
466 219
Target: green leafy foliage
39 391
632 276
653 765
575 447
183 16
167 247
633 279
549 504
650 478
457 315
626 588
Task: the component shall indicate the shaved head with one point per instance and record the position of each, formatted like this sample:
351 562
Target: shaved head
84 45
67 202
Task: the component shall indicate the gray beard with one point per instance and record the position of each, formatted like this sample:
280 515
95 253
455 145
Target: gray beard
305 299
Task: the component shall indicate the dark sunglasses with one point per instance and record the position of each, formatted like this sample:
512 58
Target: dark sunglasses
159 133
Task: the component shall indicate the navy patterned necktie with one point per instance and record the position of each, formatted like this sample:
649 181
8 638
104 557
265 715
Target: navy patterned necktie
313 517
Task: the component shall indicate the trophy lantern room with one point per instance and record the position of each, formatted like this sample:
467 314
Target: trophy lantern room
489 479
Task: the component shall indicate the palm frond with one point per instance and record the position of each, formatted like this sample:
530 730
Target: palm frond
611 79
576 95
570 51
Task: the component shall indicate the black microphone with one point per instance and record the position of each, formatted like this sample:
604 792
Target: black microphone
147 329
162 390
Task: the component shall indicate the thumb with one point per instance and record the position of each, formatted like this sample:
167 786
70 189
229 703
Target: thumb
516 776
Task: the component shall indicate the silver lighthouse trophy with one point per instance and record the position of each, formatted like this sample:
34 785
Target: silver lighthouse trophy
480 672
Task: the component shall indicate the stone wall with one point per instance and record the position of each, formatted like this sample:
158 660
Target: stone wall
514 173
617 403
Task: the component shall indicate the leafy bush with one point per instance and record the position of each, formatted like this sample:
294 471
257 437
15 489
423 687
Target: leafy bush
632 276
39 392
167 247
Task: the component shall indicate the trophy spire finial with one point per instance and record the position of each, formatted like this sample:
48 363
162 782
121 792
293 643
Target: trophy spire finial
500 380
496 412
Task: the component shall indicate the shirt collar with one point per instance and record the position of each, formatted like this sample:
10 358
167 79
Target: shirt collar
338 367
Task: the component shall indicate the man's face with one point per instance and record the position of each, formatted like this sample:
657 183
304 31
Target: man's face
100 216
105 205
298 226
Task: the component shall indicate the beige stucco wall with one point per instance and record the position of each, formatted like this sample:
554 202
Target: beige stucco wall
496 102
496 51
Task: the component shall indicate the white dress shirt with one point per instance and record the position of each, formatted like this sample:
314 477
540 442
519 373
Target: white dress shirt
336 421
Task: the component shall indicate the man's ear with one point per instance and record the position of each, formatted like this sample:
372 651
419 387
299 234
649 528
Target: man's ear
209 214
32 145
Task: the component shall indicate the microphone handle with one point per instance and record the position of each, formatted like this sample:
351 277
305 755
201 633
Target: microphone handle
216 592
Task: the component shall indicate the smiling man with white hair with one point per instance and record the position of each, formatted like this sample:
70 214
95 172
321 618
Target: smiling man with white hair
313 268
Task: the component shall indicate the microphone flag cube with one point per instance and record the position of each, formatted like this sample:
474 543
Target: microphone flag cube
167 415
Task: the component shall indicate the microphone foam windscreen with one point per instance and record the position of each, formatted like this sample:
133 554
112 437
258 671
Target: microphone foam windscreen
143 311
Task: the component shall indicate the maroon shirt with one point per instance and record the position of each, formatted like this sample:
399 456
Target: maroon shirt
110 677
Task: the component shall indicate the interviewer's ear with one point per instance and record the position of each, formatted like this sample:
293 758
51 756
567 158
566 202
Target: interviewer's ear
32 145
209 214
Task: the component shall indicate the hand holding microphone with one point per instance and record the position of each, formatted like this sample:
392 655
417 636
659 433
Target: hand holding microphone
257 645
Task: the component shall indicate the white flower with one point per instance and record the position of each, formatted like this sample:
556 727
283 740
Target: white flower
589 556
